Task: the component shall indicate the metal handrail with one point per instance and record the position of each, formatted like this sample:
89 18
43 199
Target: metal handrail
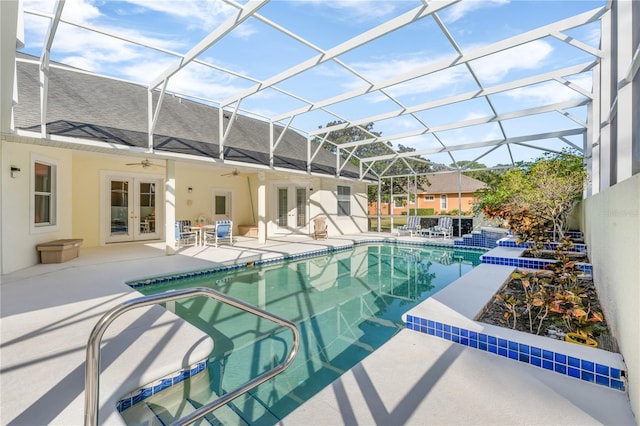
92 374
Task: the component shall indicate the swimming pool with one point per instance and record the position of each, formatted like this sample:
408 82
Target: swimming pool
346 304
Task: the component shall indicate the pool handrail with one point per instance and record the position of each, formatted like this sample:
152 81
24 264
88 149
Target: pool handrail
92 372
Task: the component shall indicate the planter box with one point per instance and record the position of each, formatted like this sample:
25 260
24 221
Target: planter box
59 251
248 230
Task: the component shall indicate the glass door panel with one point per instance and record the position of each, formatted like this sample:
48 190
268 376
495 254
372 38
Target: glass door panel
133 209
119 210
145 213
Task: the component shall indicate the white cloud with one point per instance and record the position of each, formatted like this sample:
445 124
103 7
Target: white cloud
493 68
359 10
197 14
385 68
463 7
550 92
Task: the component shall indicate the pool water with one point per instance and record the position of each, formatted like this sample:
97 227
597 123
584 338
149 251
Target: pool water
346 304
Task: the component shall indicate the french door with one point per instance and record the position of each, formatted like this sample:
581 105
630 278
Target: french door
292 209
132 208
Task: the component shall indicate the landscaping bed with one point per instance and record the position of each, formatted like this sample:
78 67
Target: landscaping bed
511 301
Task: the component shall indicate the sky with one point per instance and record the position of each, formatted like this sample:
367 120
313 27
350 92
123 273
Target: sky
256 51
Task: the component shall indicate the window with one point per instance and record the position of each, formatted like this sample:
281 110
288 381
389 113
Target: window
344 201
443 202
429 198
399 201
221 205
44 207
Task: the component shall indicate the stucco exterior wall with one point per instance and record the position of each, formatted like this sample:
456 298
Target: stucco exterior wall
324 201
19 239
83 209
612 219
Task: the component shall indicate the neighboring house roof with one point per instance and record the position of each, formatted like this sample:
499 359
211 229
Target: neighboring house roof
447 183
112 111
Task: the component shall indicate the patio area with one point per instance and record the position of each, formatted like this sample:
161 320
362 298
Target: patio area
49 310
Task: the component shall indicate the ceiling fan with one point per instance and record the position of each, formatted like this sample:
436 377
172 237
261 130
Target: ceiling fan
235 172
144 163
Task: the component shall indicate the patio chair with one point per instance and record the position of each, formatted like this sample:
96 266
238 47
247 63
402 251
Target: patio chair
320 228
413 225
444 228
222 232
184 235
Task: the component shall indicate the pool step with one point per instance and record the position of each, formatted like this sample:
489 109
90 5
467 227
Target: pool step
176 402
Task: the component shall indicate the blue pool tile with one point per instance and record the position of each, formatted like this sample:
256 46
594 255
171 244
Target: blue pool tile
482 337
473 343
602 380
464 332
455 338
617 384
502 343
523 357
431 324
447 335
431 331
537 361
523 348
125 403
615 373
589 377
492 340
409 318
574 372
493 349
536 351
547 365
438 333
439 326
455 330
588 365
547 354
561 358
602 369
423 321
560 368
574 362
447 328
473 335
464 341
482 346
513 355
502 351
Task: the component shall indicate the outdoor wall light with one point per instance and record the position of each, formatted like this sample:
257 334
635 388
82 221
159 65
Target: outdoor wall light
189 190
14 171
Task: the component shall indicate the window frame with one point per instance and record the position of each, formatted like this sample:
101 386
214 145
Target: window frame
341 201
53 194
429 198
443 201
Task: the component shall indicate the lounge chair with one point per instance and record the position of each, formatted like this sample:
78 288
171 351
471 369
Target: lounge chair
320 228
444 228
184 235
413 225
221 232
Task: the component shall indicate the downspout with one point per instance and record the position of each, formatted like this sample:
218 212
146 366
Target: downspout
459 203
379 212
391 204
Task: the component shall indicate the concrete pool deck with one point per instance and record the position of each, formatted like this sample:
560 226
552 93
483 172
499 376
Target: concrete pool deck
49 310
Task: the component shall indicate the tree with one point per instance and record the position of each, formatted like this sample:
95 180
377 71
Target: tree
393 168
533 196
484 175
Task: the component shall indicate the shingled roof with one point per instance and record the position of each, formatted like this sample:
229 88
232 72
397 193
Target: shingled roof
91 107
447 183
